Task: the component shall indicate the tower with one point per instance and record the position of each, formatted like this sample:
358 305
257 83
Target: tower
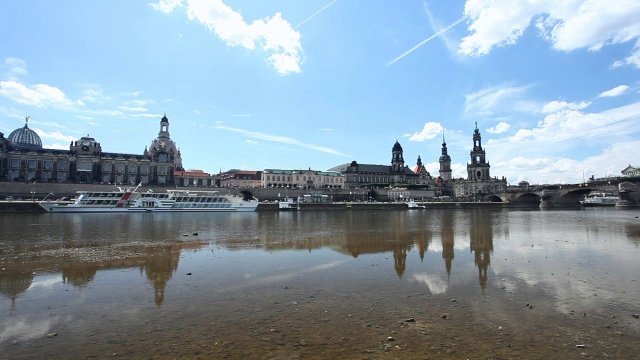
478 168
397 161
445 162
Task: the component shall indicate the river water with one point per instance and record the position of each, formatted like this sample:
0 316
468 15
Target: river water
482 283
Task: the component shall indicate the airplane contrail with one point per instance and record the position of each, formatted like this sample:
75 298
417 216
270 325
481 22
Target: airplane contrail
316 13
426 40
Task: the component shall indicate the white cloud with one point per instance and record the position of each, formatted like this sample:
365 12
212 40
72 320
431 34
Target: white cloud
500 128
633 59
616 91
17 68
495 99
57 146
147 115
54 135
280 139
129 108
139 103
554 106
567 24
37 95
273 35
429 131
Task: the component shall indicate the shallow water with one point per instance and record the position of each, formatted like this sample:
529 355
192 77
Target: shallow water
337 284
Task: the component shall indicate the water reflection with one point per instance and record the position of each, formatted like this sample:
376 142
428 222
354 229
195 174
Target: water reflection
79 246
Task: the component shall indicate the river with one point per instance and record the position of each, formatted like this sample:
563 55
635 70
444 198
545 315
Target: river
437 284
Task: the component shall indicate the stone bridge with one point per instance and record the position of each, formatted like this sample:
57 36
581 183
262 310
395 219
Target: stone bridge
570 194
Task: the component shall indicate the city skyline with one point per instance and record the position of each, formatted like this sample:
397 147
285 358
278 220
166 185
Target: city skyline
553 87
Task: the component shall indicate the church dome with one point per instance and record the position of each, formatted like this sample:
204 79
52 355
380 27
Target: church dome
25 137
397 146
445 157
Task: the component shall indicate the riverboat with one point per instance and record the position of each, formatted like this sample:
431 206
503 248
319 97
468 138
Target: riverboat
412 205
125 201
600 199
289 204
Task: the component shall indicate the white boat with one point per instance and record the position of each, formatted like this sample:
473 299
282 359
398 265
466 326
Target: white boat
600 199
412 205
289 204
125 200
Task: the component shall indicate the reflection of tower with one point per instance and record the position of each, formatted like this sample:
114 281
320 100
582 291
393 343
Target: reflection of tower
78 274
447 241
481 242
400 259
14 283
160 265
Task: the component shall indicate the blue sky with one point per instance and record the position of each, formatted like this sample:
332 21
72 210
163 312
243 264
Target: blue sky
552 84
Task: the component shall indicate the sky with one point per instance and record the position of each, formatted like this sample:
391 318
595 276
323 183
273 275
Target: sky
553 85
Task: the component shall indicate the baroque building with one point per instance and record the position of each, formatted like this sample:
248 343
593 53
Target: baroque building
478 182
22 158
302 179
397 174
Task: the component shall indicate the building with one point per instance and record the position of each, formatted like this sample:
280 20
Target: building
479 181
240 179
195 178
22 158
302 179
397 174
631 171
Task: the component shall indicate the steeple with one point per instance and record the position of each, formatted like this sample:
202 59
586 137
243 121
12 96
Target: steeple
445 162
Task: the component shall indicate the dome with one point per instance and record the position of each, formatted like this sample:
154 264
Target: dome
397 147
25 137
445 158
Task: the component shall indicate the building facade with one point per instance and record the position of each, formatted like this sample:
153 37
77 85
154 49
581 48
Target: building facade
397 174
479 181
302 179
22 158
240 179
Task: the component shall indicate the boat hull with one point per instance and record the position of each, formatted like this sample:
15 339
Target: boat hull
58 208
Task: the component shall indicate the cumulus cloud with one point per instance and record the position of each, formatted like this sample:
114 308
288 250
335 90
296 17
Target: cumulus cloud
429 131
56 135
500 128
273 35
616 91
554 106
37 95
129 108
567 24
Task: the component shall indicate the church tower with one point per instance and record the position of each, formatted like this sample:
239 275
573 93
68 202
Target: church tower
478 169
445 162
397 161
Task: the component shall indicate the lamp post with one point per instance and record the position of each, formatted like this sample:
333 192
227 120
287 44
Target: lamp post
33 190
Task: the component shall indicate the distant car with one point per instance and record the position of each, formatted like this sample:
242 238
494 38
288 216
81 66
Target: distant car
9 198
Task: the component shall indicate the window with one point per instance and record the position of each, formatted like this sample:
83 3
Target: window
144 169
107 168
162 170
31 176
161 179
62 177
106 178
46 176
84 166
33 164
162 158
119 179
14 175
63 165
15 163
120 169
132 179
48 164
133 169
144 179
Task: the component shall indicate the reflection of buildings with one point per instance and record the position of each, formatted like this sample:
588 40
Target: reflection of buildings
481 242
158 262
447 241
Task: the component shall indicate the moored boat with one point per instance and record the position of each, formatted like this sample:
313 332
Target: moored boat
412 205
125 200
600 199
289 204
